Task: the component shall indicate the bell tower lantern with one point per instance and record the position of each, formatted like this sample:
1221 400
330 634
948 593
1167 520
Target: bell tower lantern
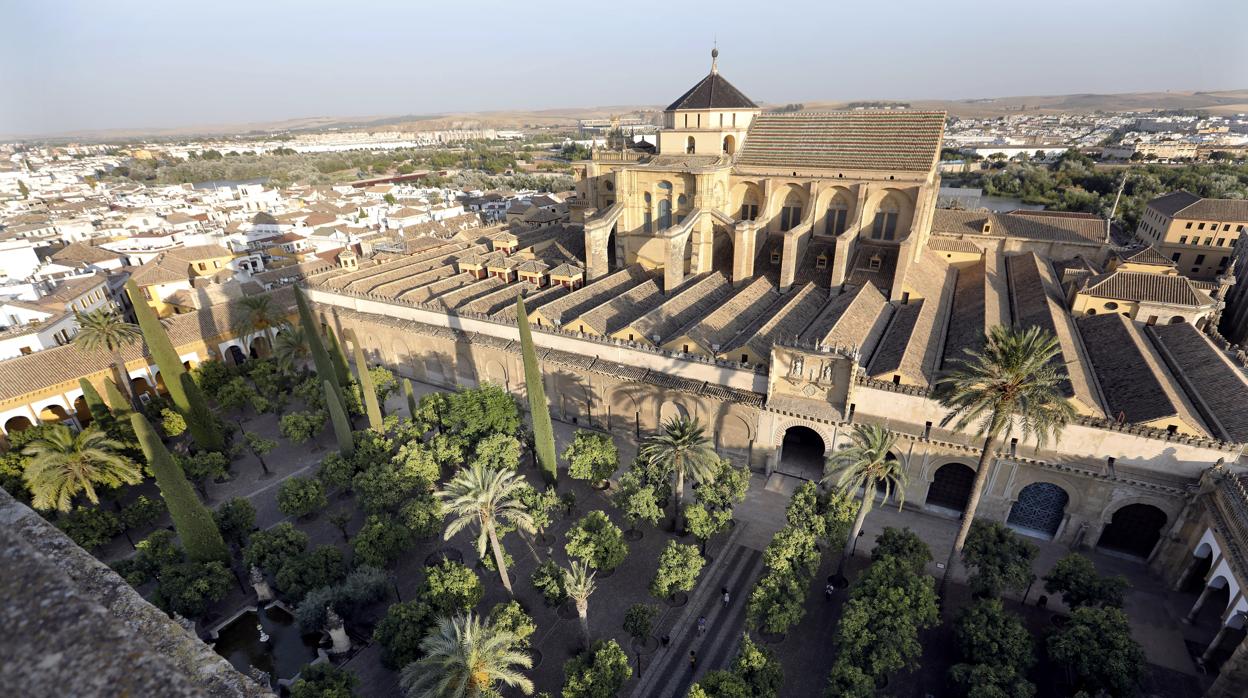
711 118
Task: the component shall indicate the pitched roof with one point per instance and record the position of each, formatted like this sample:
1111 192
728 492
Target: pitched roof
64 365
1216 386
82 253
1148 255
1019 224
1171 289
690 303
712 92
854 140
1184 204
1130 387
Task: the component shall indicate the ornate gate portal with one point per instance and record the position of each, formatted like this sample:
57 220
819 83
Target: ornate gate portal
1039 509
802 453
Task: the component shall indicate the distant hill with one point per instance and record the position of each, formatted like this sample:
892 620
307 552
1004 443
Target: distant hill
1220 102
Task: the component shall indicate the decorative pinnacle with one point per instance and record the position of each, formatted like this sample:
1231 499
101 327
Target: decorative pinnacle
715 58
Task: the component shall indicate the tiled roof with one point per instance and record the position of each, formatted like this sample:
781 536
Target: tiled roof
944 243
712 92
1184 204
1018 224
690 303
1171 289
617 312
66 364
966 319
1130 387
911 347
852 140
1148 255
591 295
723 323
82 253
533 299
161 270
854 318
784 320
1216 386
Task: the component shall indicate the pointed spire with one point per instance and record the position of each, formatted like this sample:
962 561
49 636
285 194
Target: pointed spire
715 58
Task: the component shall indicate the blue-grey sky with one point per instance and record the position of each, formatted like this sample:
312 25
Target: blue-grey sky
95 64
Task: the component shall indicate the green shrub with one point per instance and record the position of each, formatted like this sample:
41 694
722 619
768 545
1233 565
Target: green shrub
270 549
320 567
189 588
235 518
90 526
548 578
301 496
597 541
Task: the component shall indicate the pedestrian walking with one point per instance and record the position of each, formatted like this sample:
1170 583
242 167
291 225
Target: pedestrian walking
827 591
701 625
693 660
726 596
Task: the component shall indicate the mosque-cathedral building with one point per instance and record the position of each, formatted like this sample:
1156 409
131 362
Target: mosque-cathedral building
784 276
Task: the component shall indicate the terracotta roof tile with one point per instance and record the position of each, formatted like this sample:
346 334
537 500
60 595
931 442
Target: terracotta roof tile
852 140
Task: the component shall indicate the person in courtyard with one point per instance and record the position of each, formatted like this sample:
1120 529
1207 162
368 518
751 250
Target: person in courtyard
726 596
693 660
701 625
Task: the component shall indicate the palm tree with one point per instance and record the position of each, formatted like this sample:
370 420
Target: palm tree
105 330
62 464
682 447
868 464
256 315
485 497
466 658
579 584
290 346
1015 381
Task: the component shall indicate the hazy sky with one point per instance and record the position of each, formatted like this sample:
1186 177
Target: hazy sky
67 65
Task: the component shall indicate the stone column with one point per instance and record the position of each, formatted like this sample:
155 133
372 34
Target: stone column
1232 676
674 268
261 585
1213 646
744 250
1187 571
1200 601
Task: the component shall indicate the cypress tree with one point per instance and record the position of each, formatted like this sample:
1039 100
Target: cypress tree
337 415
341 371
369 392
312 331
116 399
206 433
196 528
95 404
539 412
201 415
411 398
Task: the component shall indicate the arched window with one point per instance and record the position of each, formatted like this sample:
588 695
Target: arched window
1110 305
690 146
837 218
884 227
648 225
730 145
1178 320
1091 311
665 214
791 214
682 203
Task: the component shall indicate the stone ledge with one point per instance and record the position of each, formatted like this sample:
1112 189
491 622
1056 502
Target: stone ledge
73 626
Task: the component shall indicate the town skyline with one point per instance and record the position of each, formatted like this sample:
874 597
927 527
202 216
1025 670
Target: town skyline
128 70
